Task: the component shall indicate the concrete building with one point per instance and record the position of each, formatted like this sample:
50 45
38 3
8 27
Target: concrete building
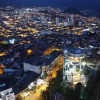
65 24
7 94
29 67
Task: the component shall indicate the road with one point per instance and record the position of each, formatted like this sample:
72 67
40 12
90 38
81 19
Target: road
36 94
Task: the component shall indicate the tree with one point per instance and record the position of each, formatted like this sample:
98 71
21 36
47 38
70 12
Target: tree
95 94
85 95
77 91
92 91
69 95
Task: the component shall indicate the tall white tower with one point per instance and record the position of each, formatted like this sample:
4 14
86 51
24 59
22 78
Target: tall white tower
57 20
71 17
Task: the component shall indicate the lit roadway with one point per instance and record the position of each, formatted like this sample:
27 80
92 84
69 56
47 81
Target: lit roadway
36 94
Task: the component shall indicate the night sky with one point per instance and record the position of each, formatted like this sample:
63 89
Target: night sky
80 4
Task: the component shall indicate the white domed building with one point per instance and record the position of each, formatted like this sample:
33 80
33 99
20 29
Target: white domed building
72 66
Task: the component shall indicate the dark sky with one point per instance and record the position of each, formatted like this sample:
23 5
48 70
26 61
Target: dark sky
80 4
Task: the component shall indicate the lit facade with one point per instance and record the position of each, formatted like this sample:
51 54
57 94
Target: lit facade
7 94
72 66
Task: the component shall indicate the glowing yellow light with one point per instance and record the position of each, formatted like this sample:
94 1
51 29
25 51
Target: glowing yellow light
2 54
1 71
74 59
29 52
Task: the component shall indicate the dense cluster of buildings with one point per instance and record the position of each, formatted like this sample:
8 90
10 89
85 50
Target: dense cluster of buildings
27 33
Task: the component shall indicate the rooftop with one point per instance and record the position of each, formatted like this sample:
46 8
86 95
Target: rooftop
75 51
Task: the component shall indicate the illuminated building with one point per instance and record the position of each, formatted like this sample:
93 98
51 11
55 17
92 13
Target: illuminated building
65 24
72 19
43 74
7 95
72 66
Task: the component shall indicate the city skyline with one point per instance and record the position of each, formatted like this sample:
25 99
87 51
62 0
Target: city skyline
48 52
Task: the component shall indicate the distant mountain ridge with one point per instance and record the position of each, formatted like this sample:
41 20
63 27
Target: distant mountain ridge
80 4
73 10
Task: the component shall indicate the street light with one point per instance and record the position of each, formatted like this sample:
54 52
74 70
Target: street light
83 63
85 85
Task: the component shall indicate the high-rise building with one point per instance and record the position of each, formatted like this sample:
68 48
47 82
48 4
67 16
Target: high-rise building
57 20
76 22
72 19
